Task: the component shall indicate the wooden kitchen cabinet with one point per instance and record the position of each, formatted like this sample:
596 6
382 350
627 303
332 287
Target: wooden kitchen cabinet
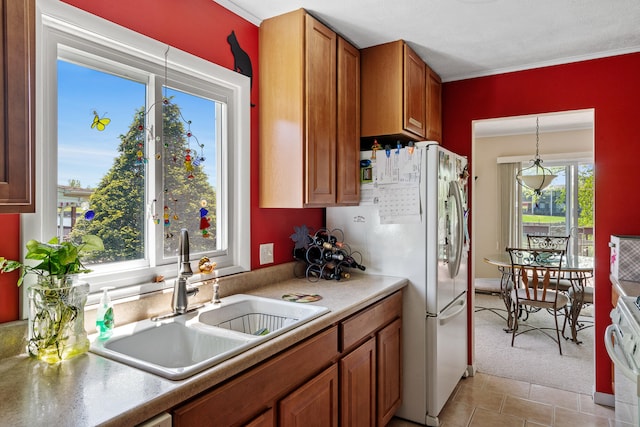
314 404
348 125
348 374
393 101
246 397
17 161
389 352
266 419
371 374
358 374
434 106
307 114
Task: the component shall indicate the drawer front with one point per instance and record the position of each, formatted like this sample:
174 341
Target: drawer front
361 325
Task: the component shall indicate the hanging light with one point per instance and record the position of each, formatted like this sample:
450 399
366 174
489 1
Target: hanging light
535 177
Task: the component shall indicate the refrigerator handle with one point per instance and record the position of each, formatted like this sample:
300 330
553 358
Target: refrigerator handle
454 188
462 303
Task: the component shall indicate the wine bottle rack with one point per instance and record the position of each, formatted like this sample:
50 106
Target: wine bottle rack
325 255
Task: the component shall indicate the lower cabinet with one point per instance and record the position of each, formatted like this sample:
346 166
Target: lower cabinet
266 419
349 374
358 386
389 352
371 368
314 404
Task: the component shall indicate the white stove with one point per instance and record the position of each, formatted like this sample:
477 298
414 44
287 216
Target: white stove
622 340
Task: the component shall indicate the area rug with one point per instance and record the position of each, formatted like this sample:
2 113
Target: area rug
534 357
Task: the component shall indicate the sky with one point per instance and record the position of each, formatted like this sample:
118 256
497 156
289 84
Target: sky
86 154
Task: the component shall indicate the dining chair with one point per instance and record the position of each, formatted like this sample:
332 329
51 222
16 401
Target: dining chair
546 241
535 276
573 285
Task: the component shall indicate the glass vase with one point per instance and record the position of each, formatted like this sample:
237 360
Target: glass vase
56 319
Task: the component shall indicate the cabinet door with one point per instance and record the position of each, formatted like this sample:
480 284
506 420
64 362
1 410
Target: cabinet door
313 404
358 386
434 106
17 172
266 419
320 113
414 92
389 353
348 132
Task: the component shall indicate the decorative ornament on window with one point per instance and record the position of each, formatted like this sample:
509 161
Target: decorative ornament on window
99 123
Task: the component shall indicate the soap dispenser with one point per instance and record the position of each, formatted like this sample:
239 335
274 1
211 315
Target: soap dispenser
104 316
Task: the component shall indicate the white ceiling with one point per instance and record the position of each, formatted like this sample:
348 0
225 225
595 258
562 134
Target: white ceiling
470 38
550 122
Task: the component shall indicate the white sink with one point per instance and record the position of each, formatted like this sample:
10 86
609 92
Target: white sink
181 346
254 315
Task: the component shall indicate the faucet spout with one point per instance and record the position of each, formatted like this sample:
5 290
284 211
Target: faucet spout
181 293
184 266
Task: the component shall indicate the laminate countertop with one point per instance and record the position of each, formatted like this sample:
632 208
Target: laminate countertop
90 390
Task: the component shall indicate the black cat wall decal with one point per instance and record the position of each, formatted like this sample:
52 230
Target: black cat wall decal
241 59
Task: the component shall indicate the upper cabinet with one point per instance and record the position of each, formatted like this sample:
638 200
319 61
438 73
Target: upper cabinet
414 92
17 167
348 149
309 114
434 106
398 94
393 91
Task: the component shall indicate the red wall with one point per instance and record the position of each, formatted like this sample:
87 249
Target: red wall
9 249
199 27
611 86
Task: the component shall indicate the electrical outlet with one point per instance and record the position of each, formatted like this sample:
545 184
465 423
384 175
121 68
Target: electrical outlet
266 253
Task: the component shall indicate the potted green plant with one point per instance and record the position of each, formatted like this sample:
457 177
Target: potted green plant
56 301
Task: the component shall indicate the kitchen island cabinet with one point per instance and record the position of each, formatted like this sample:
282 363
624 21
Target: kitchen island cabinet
309 114
17 76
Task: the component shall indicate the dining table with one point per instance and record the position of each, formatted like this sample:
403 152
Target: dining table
574 268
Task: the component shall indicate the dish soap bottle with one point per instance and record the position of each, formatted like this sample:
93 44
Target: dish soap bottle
104 316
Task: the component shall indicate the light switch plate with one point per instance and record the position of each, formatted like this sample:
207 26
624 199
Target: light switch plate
266 253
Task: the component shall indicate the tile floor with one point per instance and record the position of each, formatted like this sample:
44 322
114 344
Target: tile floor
489 401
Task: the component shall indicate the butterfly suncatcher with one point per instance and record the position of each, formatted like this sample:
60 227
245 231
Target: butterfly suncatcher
99 123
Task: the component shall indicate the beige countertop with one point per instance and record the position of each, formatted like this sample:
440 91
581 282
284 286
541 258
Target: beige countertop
625 288
90 390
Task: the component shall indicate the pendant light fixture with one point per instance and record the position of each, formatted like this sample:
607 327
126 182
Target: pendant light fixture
535 177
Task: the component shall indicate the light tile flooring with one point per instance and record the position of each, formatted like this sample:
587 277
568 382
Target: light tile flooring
489 401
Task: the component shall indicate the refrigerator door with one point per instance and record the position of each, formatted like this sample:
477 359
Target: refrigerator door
446 355
445 224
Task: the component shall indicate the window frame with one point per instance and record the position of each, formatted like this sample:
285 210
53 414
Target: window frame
61 24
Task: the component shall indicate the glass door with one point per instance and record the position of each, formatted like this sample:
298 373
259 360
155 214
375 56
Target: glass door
564 208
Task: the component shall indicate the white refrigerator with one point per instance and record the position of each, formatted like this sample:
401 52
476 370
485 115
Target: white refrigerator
411 223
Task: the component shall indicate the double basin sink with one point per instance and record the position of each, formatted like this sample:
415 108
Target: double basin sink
180 346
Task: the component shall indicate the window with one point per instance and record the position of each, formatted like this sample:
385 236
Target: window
565 207
136 141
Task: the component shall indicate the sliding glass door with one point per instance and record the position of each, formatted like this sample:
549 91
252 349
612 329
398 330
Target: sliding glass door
564 208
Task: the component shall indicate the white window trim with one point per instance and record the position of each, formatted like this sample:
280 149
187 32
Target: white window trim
54 17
